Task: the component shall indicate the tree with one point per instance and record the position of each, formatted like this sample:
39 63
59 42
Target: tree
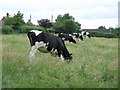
58 17
101 27
115 30
45 23
111 28
16 21
66 24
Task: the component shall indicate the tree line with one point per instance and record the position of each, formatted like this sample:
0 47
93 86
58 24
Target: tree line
16 24
63 24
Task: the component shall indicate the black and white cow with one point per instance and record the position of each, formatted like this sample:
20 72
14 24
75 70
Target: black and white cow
85 33
46 42
67 37
78 35
82 35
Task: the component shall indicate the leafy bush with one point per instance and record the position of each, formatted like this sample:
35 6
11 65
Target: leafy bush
16 21
50 30
0 29
66 24
26 28
106 35
7 29
45 23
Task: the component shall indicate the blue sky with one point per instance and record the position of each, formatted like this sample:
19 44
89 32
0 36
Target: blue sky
90 13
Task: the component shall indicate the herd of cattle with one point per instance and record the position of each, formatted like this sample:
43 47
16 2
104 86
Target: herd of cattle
46 42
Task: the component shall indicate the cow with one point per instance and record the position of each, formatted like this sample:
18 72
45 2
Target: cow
85 33
46 42
81 35
78 35
67 37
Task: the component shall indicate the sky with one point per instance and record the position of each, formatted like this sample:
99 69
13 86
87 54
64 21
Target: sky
89 13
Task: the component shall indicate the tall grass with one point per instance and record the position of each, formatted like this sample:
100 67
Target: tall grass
0 61
95 65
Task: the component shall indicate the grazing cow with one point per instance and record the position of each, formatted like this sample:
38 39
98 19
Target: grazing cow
84 34
78 35
46 42
66 37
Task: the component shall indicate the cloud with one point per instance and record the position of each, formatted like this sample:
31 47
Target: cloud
94 24
80 9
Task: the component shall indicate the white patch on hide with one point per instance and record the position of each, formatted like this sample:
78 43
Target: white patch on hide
54 52
42 47
38 45
74 38
87 33
70 35
32 53
80 34
63 39
61 56
36 32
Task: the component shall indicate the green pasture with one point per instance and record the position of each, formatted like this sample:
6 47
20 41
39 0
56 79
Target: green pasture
94 65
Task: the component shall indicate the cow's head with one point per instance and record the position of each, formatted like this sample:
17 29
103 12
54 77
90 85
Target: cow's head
81 37
72 40
84 33
88 34
69 57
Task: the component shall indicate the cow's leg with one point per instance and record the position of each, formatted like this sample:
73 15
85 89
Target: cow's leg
61 56
32 53
81 38
34 49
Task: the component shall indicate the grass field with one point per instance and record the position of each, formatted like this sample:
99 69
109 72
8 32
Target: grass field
0 61
95 65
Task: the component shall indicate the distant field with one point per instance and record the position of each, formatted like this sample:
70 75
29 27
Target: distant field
95 65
